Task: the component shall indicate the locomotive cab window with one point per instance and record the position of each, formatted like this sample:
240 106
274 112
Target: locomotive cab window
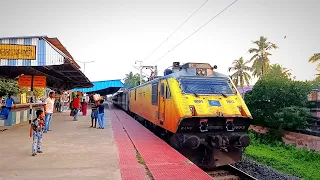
168 95
206 86
135 94
162 90
154 98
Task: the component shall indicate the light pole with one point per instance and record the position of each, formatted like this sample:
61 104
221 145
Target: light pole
84 64
84 68
140 68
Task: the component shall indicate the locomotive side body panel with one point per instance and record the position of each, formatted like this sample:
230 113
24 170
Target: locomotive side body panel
155 103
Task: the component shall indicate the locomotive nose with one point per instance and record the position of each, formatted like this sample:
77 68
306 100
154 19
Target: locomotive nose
244 140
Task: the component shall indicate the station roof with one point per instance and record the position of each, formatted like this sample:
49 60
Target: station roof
52 60
103 87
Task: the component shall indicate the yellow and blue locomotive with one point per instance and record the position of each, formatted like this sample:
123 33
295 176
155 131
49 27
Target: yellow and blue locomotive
198 109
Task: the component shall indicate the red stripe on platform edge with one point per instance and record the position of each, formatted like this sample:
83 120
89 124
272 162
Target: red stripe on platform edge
168 164
129 166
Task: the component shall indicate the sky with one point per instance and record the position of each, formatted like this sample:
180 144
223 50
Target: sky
115 34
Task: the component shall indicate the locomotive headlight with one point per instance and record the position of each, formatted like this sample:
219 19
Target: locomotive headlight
192 109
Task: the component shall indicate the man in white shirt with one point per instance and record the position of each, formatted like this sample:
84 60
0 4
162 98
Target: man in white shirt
48 110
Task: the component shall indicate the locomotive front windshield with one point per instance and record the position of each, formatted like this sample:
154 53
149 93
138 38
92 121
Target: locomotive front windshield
206 86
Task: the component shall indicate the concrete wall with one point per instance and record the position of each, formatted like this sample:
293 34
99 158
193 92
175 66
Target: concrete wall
20 114
300 140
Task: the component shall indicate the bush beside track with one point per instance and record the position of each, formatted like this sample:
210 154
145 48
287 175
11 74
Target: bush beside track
276 101
271 151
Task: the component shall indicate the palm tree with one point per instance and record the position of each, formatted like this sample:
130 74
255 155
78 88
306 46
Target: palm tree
241 76
278 70
286 72
260 59
132 80
315 58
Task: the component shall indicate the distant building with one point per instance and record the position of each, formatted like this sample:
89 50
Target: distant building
245 89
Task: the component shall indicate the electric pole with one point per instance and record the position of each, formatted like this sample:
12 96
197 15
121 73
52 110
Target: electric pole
141 67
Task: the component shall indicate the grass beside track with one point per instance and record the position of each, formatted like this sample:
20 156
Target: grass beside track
285 158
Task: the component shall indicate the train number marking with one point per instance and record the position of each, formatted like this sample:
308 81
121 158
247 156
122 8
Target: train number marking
186 128
230 101
198 101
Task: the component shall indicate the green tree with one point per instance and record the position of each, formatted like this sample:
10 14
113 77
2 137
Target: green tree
8 86
39 92
315 58
261 55
279 102
132 80
240 75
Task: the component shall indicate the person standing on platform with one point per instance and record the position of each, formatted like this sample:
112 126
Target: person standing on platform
84 107
58 105
9 102
48 110
94 114
101 115
36 132
76 106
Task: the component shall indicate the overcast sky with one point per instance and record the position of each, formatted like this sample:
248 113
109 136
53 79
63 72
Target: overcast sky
116 33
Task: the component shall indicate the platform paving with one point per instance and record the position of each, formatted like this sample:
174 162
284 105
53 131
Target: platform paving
71 150
161 161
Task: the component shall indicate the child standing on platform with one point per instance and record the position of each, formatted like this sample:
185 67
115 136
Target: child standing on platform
101 115
36 129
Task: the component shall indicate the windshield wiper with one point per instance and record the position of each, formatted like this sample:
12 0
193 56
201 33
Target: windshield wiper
224 95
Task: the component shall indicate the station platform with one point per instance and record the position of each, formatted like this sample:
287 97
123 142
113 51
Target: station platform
123 150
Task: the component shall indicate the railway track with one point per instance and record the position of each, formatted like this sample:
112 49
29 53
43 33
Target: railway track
229 172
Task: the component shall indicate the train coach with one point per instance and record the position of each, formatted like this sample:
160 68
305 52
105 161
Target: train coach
198 110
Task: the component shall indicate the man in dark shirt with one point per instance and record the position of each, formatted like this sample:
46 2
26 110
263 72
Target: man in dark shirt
101 115
94 114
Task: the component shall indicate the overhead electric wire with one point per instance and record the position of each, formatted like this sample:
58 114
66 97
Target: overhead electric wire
195 31
176 30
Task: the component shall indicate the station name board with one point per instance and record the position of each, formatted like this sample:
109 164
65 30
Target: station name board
13 51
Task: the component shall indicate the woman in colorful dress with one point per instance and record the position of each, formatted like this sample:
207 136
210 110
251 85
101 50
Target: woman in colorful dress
84 107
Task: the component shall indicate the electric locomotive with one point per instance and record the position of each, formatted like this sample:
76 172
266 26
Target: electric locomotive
199 110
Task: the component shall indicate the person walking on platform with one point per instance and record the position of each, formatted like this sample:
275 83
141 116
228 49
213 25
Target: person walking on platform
94 114
48 110
36 132
101 115
84 107
76 106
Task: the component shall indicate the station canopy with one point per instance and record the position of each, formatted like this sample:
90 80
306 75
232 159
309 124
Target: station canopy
41 56
103 87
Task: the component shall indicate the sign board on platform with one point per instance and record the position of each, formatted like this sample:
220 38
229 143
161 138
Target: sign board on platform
24 81
13 51
38 81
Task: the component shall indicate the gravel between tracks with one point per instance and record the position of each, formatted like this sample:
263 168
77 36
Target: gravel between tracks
262 172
